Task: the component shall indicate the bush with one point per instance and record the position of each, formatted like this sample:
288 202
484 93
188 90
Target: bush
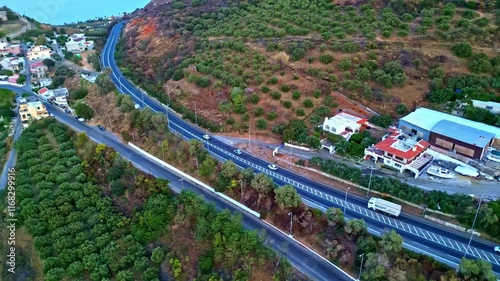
273 80
265 89
296 95
462 49
83 110
308 103
258 111
285 88
326 58
287 104
261 124
381 120
316 93
79 93
301 112
272 115
276 95
178 75
401 108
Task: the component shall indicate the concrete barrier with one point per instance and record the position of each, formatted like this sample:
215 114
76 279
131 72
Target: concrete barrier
297 147
194 180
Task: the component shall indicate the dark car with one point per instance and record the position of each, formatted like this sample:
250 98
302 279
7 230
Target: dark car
68 111
101 128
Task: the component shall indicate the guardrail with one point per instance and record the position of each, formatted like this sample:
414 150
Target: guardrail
194 180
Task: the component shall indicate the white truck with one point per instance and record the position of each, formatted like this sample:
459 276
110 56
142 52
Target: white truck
385 206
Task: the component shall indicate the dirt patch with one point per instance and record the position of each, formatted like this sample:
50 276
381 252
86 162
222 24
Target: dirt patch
85 63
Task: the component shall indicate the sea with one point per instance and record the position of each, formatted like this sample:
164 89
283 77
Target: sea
59 12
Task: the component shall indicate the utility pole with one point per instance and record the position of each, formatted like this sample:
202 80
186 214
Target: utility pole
345 200
241 189
168 93
291 223
473 223
362 256
248 136
370 181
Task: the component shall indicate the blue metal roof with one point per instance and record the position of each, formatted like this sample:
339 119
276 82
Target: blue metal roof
463 133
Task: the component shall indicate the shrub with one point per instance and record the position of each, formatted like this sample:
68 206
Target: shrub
178 75
273 80
230 120
265 89
285 88
272 115
326 58
462 49
254 98
301 112
79 93
316 93
258 111
261 124
308 103
276 95
401 108
381 120
287 104
296 95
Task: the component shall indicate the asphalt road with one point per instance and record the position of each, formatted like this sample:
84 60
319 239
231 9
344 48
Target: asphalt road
440 242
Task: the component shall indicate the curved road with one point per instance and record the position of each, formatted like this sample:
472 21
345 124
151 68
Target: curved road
442 243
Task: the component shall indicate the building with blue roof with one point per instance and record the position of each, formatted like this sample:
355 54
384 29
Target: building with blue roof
464 140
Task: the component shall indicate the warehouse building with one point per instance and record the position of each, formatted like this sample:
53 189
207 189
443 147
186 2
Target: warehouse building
461 136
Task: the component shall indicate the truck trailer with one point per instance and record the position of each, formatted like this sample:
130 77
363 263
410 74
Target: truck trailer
385 206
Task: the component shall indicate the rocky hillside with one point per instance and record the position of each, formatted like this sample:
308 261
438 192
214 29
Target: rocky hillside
264 63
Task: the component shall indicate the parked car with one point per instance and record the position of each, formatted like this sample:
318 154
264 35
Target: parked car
101 128
273 167
67 111
79 118
207 137
237 151
51 114
497 249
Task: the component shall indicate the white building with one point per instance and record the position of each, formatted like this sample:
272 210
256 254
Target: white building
44 82
493 107
78 43
39 53
344 124
57 96
12 64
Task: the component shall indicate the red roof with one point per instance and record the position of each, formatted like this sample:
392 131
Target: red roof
36 64
386 145
43 91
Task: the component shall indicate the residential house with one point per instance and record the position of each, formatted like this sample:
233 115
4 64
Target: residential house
452 134
3 48
344 124
3 16
9 49
39 53
38 68
44 82
13 78
78 43
12 64
45 94
493 107
30 111
60 97
401 151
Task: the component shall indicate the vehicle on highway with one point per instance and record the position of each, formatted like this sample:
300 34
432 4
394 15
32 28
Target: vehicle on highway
51 114
497 249
79 118
378 204
273 167
67 111
237 151
101 127
207 137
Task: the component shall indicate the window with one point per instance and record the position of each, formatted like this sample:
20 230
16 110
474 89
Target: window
389 155
399 158
464 151
397 165
444 143
489 107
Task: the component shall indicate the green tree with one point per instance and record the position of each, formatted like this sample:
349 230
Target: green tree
401 109
335 217
79 93
462 49
49 63
355 228
391 242
261 124
287 197
104 82
476 270
83 110
262 184
229 170
208 166
41 40
158 255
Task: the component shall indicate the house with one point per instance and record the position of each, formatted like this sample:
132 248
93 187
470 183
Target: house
44 82
38 68
89 77
13 78
12 64
401 151
9 49
78 43
29 111
3 16
493 107
39 53
45 93
60 97
456 135
344 124
3 48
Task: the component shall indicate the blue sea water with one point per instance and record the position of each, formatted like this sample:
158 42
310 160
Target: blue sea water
58 12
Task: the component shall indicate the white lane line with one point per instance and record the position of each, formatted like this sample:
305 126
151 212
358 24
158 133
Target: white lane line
486 255
442 240
478 254
458 245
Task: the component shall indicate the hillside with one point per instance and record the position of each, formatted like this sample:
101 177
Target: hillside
263 63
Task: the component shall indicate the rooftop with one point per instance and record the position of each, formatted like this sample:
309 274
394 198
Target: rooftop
486 103
426 119
60 92
463 133
43 91
402 145
350 117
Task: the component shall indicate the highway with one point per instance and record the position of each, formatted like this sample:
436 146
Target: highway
301 258
440 242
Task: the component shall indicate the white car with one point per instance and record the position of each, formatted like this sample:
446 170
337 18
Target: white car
273 167
51 114
237 151
207 137
497 249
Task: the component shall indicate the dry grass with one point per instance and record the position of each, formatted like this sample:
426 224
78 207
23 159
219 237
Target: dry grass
8 28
